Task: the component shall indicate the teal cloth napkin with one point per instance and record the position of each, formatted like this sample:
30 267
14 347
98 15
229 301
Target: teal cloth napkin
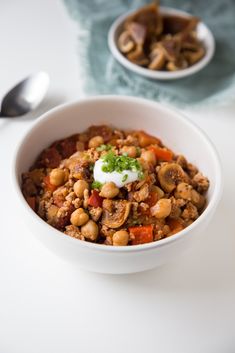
103 75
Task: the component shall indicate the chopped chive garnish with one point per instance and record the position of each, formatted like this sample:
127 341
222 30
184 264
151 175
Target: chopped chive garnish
104 148
121 163
96 185
138 151
124 178
91 167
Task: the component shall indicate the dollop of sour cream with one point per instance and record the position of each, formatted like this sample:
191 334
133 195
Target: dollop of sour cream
120 179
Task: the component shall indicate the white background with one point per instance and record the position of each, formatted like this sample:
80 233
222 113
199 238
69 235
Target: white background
48 306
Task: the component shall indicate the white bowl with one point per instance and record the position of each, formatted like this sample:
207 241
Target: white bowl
127 113
203 32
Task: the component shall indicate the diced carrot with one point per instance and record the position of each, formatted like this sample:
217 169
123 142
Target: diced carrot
141 234
31 202
48 185
161 153
146 139
175 225
95 199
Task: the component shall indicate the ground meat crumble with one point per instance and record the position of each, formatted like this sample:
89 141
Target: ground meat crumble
59 187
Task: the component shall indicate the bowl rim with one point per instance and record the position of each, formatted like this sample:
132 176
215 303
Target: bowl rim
132 100
160 75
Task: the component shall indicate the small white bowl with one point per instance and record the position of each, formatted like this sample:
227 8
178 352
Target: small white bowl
127 113
203 32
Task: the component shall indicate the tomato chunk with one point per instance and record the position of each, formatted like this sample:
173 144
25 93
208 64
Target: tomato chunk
152 198
95 199
48 185
161 153
49 158
142 234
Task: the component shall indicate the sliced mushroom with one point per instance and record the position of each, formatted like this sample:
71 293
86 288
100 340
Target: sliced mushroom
115 212
169 175
194 56
125 42
157 58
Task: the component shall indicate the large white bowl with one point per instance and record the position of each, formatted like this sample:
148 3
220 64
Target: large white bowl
127 113
203 33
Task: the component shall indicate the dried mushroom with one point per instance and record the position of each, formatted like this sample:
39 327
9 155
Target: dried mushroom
137 32
194 56
160 42
149 17
138 57
157 58
190 42
177 65
125 42
171 47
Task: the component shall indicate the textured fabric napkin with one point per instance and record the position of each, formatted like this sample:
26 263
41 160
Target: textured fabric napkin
103 75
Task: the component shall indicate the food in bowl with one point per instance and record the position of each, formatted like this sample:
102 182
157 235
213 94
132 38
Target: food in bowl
156 41
115 187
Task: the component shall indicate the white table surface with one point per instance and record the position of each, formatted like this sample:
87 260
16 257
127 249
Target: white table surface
48 306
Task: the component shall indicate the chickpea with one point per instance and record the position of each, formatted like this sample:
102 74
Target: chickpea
95 141
109 190
120 238
79 187
79 217
130 150
90 230
149 157
57 177
161 209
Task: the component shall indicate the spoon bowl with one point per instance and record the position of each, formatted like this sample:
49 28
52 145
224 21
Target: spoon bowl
25 96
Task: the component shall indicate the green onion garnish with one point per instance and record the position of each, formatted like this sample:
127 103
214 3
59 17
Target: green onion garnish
104 148
121 163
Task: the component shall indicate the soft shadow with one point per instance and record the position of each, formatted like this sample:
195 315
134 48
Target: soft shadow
48 103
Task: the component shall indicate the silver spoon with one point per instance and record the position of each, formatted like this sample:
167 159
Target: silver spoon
25 96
